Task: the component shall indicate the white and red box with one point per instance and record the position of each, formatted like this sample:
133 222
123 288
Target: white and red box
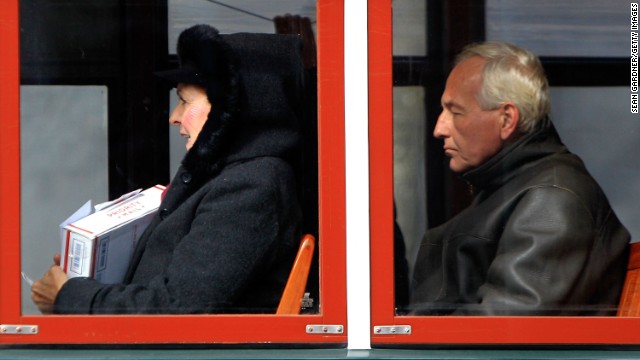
99 244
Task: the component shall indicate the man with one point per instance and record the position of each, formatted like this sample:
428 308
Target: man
540 237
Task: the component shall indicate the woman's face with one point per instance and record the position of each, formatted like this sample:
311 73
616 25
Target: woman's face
191 112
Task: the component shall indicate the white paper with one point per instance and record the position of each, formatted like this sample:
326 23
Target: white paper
26 278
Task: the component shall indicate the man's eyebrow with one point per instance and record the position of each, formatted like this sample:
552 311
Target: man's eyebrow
451 104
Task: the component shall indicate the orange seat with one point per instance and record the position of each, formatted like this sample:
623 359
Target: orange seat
630 300
290 302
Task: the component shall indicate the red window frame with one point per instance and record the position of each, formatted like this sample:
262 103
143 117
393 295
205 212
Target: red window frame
186 329
441 330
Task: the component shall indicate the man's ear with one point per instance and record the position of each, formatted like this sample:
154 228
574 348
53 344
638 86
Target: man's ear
510 118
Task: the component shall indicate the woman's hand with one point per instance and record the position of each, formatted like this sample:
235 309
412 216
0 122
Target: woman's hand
45 290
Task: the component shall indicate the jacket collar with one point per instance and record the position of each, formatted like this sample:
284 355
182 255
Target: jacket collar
516 157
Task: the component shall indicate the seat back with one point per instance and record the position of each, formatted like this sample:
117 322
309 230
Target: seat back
630 299
290 302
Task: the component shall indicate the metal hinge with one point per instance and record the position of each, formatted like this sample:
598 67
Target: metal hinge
392 330
325 329
18 329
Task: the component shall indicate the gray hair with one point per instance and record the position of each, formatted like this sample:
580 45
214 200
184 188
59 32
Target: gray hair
511 74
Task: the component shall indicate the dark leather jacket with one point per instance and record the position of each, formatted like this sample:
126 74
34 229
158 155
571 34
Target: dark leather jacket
539 239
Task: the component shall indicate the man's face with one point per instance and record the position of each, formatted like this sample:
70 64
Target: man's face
471 135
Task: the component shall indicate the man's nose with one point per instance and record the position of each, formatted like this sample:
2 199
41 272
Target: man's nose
440 131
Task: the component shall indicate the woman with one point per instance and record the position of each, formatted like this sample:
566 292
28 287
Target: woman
227 230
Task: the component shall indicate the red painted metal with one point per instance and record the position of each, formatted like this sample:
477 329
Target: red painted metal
182 329
453 330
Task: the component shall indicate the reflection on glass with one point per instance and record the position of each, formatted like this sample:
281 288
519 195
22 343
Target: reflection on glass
63 140
590 28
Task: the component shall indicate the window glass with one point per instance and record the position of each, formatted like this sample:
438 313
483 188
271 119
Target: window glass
579 122
63 140
606 138
590 28
594 122
177 149
64 105
460 259
257 17
409 165
62 121
409 27
409 39
273 136
233 16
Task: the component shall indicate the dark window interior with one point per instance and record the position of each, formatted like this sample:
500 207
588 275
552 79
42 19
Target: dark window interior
114 43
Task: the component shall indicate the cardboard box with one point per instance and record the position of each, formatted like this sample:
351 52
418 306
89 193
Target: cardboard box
100 244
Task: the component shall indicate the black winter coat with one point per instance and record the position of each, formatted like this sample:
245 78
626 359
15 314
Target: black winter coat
539 239
227 231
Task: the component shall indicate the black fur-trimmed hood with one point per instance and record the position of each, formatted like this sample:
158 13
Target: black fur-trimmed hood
255 85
